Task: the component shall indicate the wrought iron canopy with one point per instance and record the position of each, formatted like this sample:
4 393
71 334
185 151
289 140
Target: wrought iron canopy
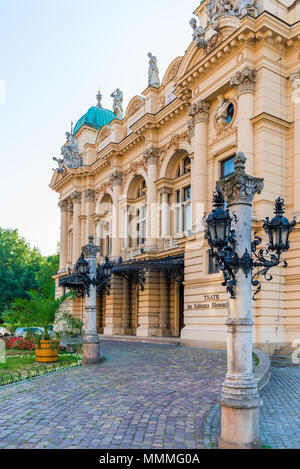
133 270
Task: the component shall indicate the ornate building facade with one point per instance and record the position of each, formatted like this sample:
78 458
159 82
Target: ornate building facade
141 180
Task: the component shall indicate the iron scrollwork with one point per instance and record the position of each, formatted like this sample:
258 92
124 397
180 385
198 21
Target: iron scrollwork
263 264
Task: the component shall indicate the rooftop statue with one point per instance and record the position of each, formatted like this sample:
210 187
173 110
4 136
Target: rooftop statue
118 101
70 154
153 74
198 34
217 8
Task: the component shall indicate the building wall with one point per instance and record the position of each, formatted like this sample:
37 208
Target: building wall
154 136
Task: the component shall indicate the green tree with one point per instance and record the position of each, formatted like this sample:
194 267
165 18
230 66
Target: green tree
23 269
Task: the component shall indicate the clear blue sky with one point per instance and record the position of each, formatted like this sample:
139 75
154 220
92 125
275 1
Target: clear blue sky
54 53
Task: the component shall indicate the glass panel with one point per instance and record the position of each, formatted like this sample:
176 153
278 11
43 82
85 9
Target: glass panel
177 217
187 194
187 217
227 167
212 266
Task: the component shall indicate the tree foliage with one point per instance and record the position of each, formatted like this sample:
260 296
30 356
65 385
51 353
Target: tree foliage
38 311
23 269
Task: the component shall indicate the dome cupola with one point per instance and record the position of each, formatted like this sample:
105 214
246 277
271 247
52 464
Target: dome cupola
96 117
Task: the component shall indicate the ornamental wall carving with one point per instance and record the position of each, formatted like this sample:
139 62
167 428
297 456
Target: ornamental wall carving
133 169
173 144
104 133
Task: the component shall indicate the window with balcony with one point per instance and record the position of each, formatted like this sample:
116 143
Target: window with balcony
141 224
183 219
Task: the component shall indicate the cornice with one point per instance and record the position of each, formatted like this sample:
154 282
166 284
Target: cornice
264 116
264 27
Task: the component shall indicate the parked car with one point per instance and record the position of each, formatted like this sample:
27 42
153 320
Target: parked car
4 332
23 331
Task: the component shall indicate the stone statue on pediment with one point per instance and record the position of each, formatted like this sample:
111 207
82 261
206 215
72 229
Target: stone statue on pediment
222 108
153 73
118 103
198 34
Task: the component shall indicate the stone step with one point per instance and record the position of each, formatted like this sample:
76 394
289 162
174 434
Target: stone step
283 363
283 353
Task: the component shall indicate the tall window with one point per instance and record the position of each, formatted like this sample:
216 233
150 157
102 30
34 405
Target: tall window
227 167
212 266
141 216
109 238
183 220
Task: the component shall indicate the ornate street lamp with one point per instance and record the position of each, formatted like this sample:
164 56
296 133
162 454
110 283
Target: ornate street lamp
279 229
107 267
82 266
222 241
219 223
237 257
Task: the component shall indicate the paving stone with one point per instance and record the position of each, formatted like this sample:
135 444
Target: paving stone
142 396
279 415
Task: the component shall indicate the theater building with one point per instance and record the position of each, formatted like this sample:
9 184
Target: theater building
141 180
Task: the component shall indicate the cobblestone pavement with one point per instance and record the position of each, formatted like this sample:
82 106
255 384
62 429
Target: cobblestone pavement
279 416
143 396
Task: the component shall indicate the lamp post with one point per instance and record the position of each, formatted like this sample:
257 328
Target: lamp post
236 257
91 343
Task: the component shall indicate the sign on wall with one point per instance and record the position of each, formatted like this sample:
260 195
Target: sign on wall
209 302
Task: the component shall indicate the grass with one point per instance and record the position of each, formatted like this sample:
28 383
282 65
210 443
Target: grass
18 363
255 361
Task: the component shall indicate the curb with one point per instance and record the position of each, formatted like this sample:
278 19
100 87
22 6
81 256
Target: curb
262 373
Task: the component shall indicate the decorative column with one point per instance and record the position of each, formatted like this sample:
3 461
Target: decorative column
91 343
245 82
165 211
151 155
64 228
125 330
164 330
90 209
295 79
76 198
240 399
198 126
116 179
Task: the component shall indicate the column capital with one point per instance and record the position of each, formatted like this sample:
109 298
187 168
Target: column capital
116 178
151 155
244 80
76 197
63 205
91 250
89 195
295 78
199 111
239 187
165 190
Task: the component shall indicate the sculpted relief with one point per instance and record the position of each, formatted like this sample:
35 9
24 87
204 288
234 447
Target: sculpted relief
206 38
70 154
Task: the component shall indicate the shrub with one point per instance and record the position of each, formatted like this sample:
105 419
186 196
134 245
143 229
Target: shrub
66 325
19 343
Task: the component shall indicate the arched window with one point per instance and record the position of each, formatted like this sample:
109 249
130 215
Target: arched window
184 167
137 212
104 226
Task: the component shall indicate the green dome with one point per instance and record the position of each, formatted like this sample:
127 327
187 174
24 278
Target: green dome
96 117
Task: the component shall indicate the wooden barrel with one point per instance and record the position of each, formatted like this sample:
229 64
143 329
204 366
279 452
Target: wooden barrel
46 352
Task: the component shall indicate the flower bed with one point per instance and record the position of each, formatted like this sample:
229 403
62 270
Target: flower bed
19 343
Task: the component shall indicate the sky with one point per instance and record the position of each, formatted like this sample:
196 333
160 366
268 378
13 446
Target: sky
54 54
